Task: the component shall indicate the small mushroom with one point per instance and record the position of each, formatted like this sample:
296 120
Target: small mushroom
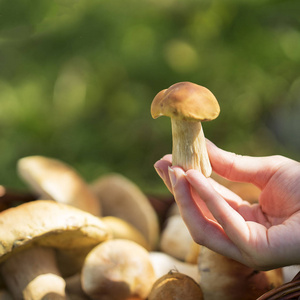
224 278
122 198
175 285
30 234
123 230
177 241
54 179
164 263
117 269
187 104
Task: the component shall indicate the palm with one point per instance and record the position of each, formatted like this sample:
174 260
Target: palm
281 197
274 221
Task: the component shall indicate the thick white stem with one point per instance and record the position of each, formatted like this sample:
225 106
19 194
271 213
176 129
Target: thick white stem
32 274
189 146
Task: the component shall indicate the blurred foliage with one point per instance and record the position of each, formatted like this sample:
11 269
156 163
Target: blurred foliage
77 79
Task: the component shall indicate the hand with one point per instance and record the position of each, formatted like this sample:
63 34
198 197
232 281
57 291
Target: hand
264 235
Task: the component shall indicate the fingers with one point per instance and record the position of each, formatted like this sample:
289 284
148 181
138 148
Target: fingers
161 168
204 230
256 170
231 221
201 224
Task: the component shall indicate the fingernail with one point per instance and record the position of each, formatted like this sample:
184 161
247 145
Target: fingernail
172 176
159 172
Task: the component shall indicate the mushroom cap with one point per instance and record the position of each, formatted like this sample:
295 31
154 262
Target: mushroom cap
124 230
224 278
117 269
122 198
175 285
186 101
177 241
54 179
163 263
50 224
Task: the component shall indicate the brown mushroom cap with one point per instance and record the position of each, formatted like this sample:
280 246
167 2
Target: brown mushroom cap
54 179
187 101
50 224
175 285
122 198
225 278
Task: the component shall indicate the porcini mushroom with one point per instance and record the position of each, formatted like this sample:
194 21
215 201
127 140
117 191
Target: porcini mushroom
30 234
225 278
187 104
164 263
175 285
117 269
122 198
53 179
177 241
123 230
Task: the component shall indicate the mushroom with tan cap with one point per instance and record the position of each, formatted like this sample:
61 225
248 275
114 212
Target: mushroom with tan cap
163 263
31 233
54 179
123 230
119 270
225 278
122 198
187 104
177 241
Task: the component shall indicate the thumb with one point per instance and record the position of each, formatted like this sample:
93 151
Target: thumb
256 170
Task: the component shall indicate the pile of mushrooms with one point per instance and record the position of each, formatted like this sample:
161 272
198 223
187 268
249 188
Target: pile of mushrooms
33 235
103 240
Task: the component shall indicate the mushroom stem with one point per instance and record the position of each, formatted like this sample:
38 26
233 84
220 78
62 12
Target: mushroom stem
189 146
33 274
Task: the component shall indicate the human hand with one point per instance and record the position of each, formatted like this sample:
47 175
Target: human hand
264 235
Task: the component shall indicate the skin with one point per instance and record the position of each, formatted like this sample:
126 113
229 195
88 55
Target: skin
264 235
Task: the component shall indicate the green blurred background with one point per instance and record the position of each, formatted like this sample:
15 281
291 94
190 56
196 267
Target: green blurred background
77 78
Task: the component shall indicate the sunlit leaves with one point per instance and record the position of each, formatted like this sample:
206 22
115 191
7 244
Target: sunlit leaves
77 78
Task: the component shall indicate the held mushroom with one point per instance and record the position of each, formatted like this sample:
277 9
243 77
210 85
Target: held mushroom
54 179
187 104
117 269
30 234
